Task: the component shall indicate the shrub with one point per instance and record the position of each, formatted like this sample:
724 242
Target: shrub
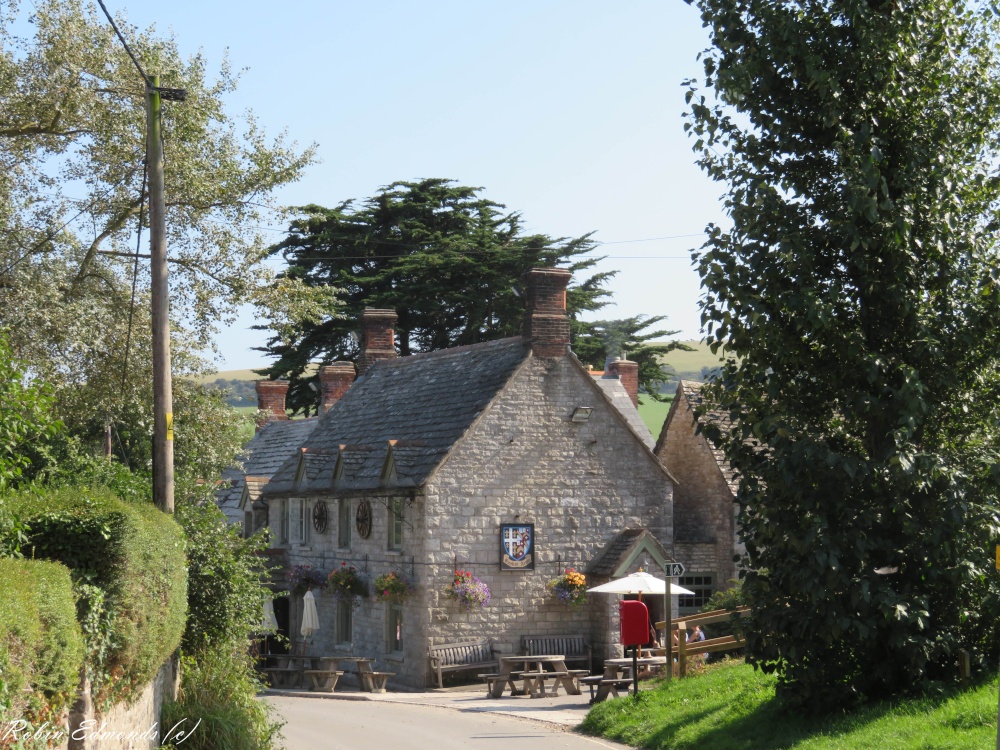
128 563
41 646
219 688
226 575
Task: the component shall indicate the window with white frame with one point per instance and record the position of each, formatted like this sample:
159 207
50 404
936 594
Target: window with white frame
282 521
344 523
344 624
396 524
295 520
702 586
394 629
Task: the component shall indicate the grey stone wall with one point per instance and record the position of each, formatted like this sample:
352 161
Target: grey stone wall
133 726
523 461
704 510
372 558
578 483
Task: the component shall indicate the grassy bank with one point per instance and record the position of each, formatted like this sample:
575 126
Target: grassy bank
732 707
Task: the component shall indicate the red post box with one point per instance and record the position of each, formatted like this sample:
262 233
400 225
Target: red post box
634 621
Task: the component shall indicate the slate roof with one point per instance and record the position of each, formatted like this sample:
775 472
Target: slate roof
619 397
691 391
424 402
621 548
263 454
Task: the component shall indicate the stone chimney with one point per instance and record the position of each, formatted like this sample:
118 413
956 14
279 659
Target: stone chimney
335 379
628 373
377 337
546 324
271 398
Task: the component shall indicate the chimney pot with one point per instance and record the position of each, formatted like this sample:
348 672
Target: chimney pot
378 337
271 398
335 379
546 324
628 373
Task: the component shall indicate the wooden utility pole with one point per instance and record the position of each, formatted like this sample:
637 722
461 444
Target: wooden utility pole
163 417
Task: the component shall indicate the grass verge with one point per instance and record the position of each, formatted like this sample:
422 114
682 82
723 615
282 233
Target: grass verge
732 707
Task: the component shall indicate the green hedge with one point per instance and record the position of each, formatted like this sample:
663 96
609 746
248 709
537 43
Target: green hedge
41 645
128 563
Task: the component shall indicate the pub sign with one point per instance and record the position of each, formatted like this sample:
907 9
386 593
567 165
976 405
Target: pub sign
517 546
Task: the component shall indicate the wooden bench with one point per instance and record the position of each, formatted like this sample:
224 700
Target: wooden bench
459 657
323 680
611 683
283 677
374 682
575 648
534 682
492 678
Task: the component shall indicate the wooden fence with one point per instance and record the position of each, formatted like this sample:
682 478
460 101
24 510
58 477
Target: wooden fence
708 646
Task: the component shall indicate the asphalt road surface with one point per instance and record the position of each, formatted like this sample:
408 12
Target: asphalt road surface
313 724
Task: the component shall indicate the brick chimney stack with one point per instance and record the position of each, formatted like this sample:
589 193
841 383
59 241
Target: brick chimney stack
546 324
628 373
377 337
335 379
271 398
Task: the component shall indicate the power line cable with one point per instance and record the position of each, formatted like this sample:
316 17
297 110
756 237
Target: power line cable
53 232
125 44
135 274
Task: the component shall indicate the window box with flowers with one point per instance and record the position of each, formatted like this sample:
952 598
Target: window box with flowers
302 578
345 583
468 590
569 588
391 587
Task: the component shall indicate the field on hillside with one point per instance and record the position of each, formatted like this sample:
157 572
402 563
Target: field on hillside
689 365
681 362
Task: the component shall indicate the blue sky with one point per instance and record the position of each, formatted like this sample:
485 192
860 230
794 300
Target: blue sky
567 111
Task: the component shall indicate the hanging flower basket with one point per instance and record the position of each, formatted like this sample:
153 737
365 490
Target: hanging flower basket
468 590
569 588
346 583
391 587
301 578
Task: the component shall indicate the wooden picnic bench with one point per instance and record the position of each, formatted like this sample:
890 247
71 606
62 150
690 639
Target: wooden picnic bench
460 657
323 680
605 685
575 648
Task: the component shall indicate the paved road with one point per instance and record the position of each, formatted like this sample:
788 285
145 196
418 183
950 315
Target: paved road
377 725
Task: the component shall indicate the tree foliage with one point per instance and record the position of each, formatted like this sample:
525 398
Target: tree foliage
446 259
856 294
73 301
26 418
600 342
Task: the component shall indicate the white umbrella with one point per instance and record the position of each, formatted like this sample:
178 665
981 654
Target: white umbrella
639 583
269 622
310 619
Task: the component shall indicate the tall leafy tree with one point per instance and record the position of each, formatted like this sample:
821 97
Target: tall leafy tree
446 259
72 149
856 294
599 342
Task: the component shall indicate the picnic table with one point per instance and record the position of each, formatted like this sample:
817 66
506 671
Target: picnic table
324 672
535 671
617 674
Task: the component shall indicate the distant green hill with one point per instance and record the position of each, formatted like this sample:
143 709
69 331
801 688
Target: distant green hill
693 365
